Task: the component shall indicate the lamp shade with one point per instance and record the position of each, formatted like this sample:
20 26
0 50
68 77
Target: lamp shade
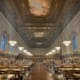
12 43
21 48
66 43
53 51
58 48
26 52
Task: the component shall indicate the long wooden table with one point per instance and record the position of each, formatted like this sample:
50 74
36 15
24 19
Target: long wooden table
12 69
71 72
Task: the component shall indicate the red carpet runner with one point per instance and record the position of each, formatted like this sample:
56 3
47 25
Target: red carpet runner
39 73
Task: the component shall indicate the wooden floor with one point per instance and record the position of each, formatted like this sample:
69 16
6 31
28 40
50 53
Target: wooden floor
40 73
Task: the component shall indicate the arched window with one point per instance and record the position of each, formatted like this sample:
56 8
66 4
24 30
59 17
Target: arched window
3 42
75 41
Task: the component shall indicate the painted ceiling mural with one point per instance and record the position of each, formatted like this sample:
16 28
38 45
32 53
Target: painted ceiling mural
39 7
39 22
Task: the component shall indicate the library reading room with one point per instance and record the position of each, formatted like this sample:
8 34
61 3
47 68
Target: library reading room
39 39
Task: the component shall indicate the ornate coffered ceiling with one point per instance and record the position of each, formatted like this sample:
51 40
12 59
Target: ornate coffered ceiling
39 22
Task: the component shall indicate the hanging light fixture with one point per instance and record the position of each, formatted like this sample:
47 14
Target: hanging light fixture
21 48
66 43
50 53
26 52
12 43
58 48
53 51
